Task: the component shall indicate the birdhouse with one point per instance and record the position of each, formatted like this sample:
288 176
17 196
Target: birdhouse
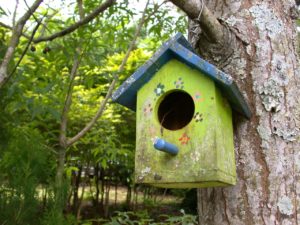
184 133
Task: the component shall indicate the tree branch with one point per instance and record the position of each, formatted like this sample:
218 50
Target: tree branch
24 52
80 9
5 26
155 10
112 85
15 13
80 23
208 22
36 19
11 28
212 39
14 41
68 101
44 24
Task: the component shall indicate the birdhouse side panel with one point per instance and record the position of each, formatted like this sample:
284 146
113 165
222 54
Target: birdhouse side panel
224 137
196 140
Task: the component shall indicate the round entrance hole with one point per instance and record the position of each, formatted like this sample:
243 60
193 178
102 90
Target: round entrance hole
176 110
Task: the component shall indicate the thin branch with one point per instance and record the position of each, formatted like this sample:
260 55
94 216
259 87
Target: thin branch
28 13
208 22
112 85
34 17
80 9
68 101
23 53
15 13
67 105
5 26
155 10
80 23
14 41
11 28
44 27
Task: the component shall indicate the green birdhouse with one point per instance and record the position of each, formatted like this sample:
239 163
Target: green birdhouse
183 104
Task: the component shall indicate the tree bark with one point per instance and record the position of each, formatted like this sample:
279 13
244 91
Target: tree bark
265 66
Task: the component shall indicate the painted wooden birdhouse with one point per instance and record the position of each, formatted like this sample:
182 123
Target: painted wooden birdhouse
183 104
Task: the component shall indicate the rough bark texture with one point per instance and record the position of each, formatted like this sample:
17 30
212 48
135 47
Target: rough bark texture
265 66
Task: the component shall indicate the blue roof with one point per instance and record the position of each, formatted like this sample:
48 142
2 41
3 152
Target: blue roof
179 48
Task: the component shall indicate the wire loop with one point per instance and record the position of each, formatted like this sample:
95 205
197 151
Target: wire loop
195 27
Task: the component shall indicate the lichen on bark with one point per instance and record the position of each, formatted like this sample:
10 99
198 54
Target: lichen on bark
272 95
266 20
285 206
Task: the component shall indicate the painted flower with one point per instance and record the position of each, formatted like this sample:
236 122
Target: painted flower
198 97
179 83
148 109
159 89
184 139
198 117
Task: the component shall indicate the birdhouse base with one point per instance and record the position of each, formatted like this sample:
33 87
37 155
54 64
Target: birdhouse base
200 179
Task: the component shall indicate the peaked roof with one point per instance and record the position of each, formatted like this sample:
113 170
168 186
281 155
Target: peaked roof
179 48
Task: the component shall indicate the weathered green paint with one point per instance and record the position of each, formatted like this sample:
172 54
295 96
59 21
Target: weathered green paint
207 158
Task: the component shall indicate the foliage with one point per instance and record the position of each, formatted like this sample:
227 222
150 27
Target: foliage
25 167
33 99
163 23
189 202
142 218
54 217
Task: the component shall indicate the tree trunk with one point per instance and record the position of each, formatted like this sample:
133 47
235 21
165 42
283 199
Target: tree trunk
60 192
76 186
102 177
97 178
128 196
116 193
106 201
265 66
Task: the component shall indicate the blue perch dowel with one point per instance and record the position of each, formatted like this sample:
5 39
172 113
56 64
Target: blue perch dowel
162 145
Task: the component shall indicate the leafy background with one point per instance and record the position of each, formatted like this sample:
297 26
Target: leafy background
32 102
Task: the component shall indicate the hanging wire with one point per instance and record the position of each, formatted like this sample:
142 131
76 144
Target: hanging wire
163 120
195 27
201 10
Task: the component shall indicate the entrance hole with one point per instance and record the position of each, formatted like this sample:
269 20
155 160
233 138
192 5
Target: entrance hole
176 110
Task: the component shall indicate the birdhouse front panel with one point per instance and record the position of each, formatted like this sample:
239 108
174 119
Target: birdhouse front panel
184 135
182 107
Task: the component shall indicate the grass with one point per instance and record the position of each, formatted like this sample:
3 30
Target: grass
122 195
155 206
